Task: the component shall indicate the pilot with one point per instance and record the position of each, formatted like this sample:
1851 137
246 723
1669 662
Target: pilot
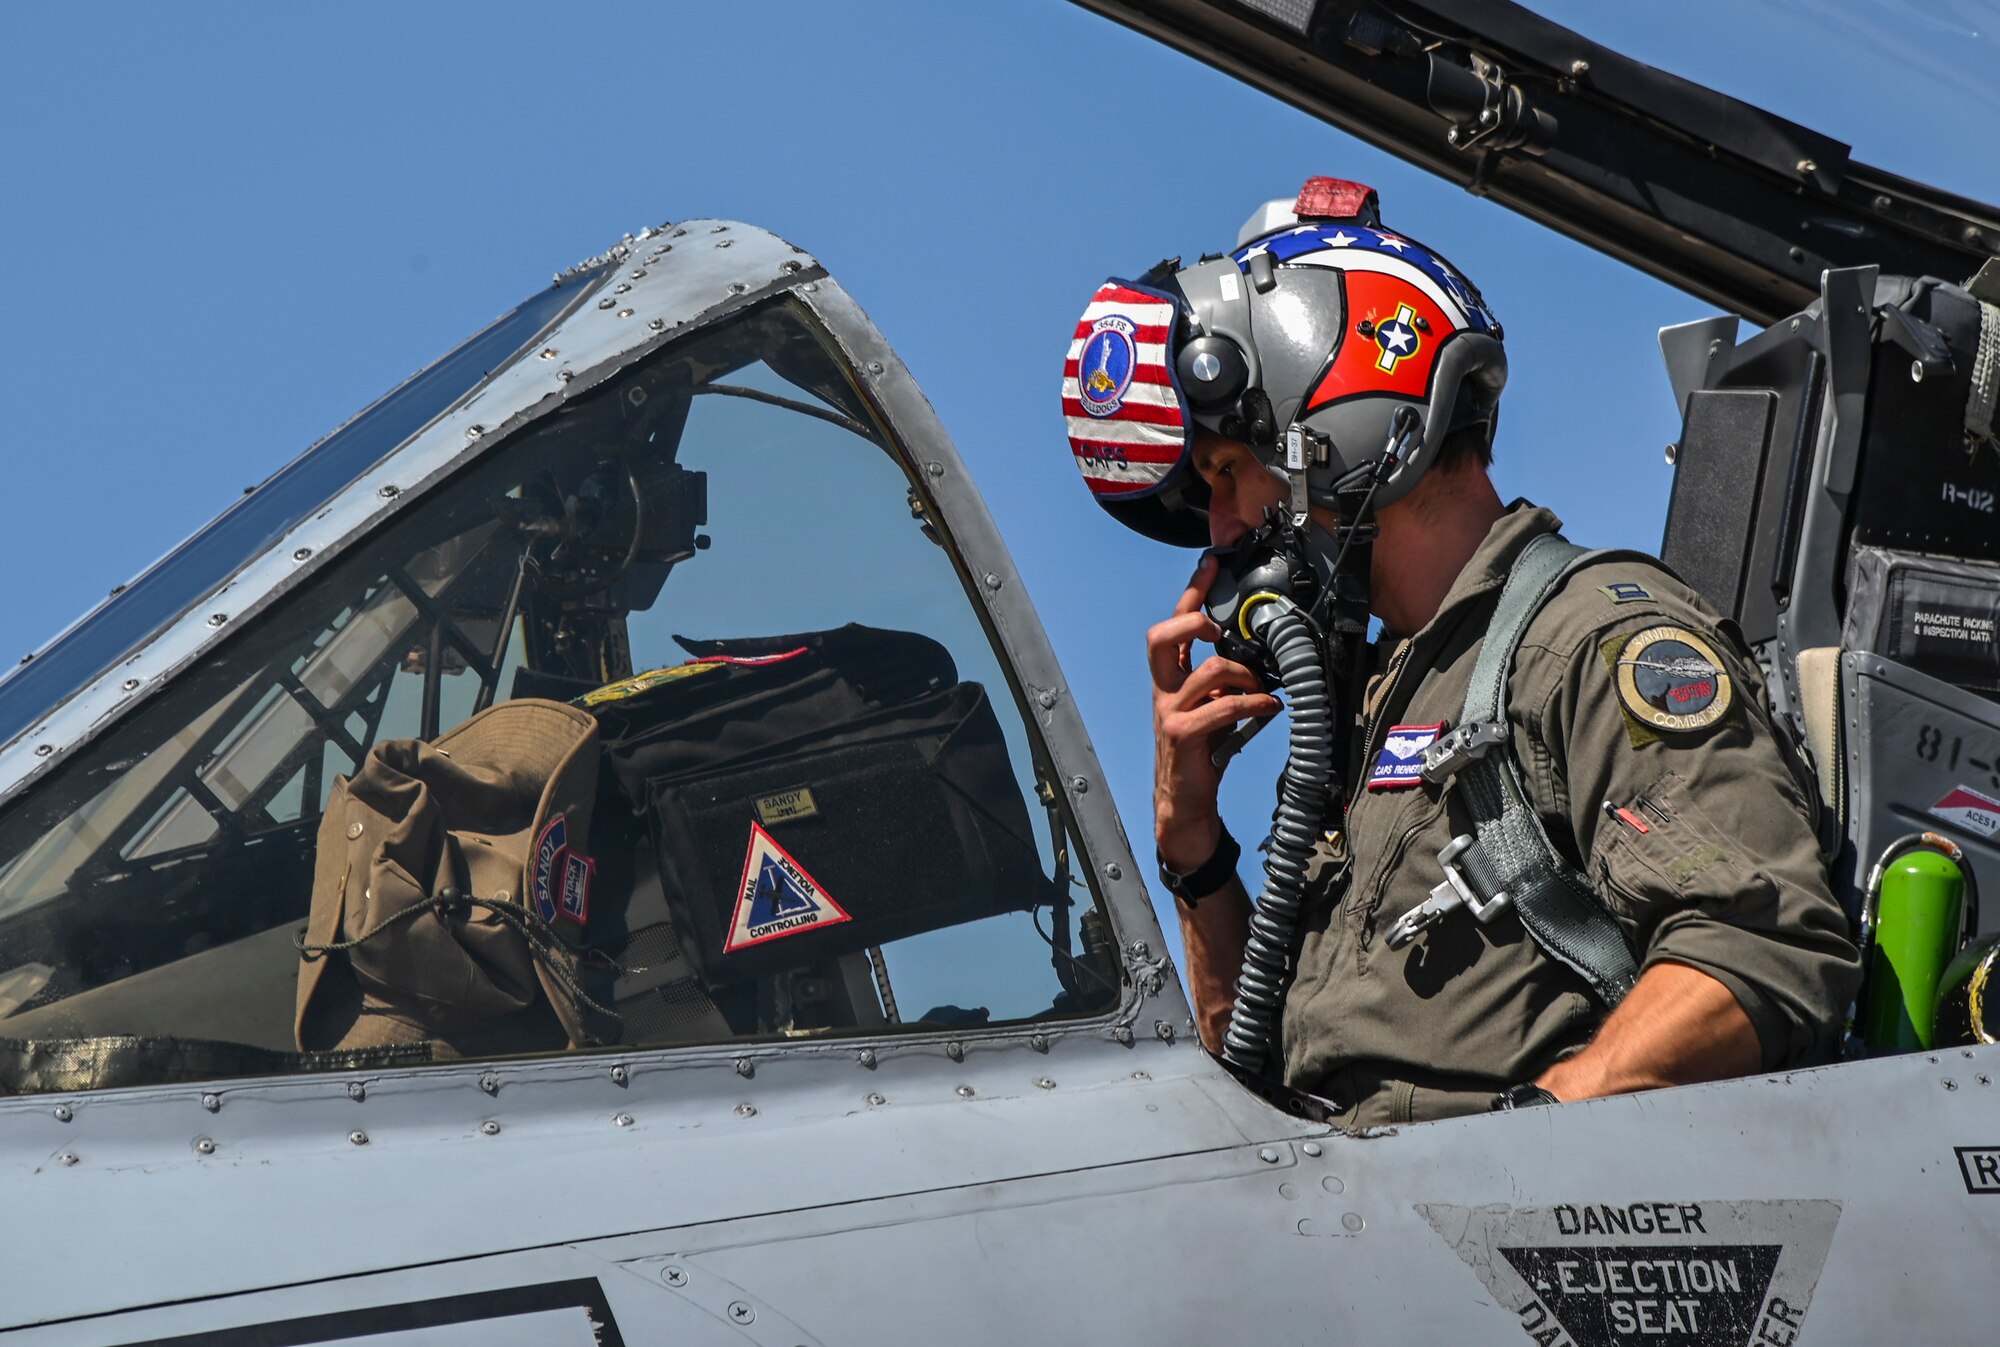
1681 928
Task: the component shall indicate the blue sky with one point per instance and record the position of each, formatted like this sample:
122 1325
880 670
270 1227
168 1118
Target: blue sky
228 227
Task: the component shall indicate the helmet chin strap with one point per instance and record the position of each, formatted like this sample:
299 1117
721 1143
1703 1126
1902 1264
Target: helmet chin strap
1353 498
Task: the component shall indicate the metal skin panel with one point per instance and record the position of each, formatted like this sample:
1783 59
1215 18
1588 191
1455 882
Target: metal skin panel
286 1194
714 268
1265 1234
1911 741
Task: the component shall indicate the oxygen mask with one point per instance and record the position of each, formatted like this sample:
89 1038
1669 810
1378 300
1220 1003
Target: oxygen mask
1271 564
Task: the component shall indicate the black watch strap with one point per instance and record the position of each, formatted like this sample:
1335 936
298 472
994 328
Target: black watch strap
1525 1095
1206 878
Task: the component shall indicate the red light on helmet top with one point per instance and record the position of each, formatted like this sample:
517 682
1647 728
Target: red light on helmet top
1337 199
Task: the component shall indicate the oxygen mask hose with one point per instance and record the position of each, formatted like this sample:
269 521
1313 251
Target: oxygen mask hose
1283 630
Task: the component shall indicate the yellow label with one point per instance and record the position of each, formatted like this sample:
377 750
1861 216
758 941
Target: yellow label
631 687
787 805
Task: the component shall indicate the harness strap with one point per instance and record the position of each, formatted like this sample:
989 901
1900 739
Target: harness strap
1984 394
1511 853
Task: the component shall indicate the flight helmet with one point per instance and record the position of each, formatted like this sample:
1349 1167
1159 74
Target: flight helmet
1303 342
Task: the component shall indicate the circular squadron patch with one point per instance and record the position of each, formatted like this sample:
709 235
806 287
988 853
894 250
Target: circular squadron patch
1672 680
1104 370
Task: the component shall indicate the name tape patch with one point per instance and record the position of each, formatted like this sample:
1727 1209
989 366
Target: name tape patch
787 806
776 897
1401 761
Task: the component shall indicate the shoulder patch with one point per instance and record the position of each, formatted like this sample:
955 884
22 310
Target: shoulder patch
1626 591
1669 681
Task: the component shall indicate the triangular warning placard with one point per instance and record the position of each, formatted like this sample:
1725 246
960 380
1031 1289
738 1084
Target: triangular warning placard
776 897
1693 1293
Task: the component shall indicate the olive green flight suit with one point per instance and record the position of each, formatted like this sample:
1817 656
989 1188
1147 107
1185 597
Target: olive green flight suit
1714 862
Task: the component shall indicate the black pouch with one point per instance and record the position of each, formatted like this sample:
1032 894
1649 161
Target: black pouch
1938 615
811 795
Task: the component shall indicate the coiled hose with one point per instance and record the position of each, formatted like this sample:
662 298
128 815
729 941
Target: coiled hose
1302 798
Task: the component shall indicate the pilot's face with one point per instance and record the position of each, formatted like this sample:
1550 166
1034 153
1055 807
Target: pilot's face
1240 487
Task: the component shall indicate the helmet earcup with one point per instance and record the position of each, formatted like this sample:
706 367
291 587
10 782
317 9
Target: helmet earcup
1213 372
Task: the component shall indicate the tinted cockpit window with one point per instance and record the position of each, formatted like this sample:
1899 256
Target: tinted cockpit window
813 807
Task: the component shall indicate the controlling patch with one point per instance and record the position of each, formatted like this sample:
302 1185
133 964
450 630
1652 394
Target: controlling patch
1671 681
1401 761
776 897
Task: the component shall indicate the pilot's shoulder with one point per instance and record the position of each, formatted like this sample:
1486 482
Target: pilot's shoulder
1619 593
1624 632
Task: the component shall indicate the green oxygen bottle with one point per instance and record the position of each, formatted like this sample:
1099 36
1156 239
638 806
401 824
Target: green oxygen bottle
1917 903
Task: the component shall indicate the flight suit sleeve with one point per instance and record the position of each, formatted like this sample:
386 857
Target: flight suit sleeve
1652 742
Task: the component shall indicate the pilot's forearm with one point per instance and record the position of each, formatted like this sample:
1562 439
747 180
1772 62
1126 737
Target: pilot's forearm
1677 1026
1213 934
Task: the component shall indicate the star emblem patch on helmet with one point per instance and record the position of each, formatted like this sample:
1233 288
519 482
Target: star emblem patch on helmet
1393 346
1398 339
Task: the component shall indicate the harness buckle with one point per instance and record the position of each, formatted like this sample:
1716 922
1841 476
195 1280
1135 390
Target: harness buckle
1452 892
1451 752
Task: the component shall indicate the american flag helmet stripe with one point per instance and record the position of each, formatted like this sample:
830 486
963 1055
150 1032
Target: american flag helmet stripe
1129 427
1357 247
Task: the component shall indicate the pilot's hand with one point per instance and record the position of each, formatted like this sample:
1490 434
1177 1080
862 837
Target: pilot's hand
1194 709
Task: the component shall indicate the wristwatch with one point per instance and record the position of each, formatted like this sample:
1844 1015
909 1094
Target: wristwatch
1206 878
1525 1095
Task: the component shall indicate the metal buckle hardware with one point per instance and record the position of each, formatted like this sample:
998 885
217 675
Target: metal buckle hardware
1454 750
1451 893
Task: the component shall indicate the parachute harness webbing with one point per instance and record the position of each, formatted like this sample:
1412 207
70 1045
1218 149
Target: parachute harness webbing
1979 403
1512 853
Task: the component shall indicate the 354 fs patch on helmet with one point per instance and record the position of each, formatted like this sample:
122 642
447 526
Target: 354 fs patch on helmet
1669 680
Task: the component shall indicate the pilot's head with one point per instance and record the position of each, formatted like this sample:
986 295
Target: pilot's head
1195 394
